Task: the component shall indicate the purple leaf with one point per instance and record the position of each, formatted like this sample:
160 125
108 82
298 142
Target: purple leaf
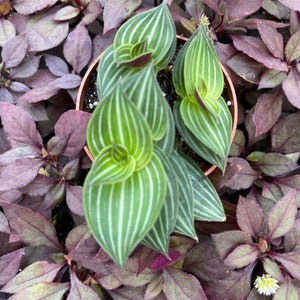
56 65
66 13
129 292
39 186
77 236
39 94
70 170
7 31
31 227
4 227
291 87
267 111
14 51
241 8
68 81
44 290
78 48
271 191
55 194
56 145
27 7
282 216
195 9
272 39
161 262
100 43
40 271
181 285
18 87
19 173
227 241
72 125
242 256
19 126
284 136
256 49
74 199
291 262
275 164
292 4
287 290
242 174
247 220
237 283
271 78
79 290
91 12
238 144
289 183
272 268
9 265
116 11
292 48
245 67
28 67
19 153
43 32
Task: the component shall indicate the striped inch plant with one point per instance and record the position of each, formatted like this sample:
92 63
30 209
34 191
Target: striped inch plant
141 188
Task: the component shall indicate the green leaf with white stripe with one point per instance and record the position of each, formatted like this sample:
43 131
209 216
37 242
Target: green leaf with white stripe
185 218
113 164
166 144
136 55
197 72
159 236
110 73
143 90
207 203
213 131
156 29
194 143
119 215
117 121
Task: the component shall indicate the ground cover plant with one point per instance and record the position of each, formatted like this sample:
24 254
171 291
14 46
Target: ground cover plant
47 250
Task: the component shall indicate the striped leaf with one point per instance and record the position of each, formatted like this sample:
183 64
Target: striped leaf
143 90
166 144
207 203
197 74
159 235
113 164
213 131
117 121
109 73
119 215
194 143
155 28
185 218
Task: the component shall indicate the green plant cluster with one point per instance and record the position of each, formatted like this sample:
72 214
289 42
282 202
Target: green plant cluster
140 188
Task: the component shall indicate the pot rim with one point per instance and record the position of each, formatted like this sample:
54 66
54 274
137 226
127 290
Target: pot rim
228 86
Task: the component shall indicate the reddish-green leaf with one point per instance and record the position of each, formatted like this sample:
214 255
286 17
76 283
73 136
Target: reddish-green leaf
290 183
31 227
272 268
271 78
242 256
272 39
292 48
247 220
242 8
285 138
154 287
291 87
267 111
79 290
282 216
288 290
42 291
291 262
40 271
181 285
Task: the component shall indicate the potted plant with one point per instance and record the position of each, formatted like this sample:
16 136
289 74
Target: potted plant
142 187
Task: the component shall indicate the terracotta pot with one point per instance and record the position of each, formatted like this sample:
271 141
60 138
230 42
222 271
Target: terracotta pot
229 93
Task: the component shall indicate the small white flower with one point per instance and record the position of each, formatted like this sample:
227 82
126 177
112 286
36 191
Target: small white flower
266 285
